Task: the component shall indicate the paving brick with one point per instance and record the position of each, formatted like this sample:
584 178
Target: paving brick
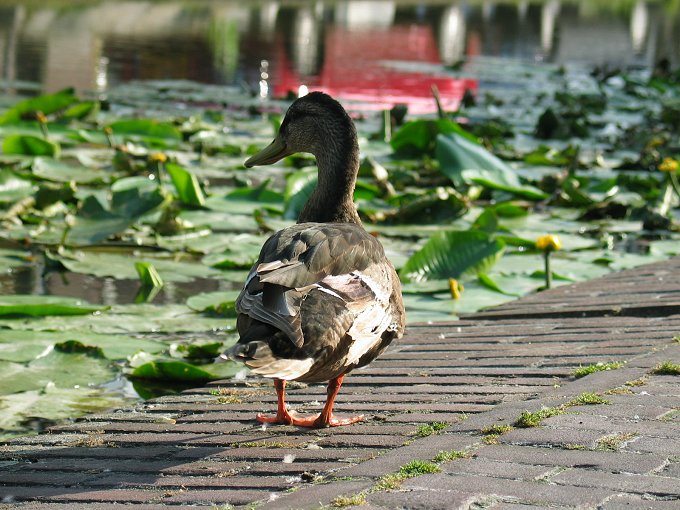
642 484
605 424
653 445
540 436
317 496
424 499
628 502
607 461
210 497
496 469
530 492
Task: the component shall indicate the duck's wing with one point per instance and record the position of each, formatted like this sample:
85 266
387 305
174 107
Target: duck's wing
340 260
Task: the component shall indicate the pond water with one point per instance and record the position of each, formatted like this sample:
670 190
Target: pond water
340 47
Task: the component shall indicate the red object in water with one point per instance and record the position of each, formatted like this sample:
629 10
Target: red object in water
378 69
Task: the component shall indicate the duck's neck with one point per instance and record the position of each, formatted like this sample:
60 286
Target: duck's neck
332 201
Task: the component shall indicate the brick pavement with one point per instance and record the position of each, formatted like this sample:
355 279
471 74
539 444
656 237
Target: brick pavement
202 447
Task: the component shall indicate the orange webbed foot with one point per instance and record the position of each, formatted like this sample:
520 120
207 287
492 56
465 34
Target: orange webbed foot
315 421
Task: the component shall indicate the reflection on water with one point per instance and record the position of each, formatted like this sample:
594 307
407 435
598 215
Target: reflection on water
341 47
100 290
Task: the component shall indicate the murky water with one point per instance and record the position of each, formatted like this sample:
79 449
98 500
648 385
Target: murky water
341 47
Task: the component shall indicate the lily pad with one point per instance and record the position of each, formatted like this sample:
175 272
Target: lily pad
60 171
122 265
13 187
38 306
24 346
30 146
61 369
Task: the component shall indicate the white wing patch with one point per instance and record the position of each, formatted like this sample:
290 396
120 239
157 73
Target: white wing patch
371 307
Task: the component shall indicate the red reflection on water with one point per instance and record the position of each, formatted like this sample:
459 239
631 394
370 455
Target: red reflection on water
356 66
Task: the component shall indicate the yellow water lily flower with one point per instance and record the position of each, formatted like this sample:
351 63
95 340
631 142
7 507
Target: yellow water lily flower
549 242
158 157
669 165
456 288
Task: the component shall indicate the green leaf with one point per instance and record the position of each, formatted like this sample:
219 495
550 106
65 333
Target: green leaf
37 306
117 265
47 104
62 369
186 184
200 351
490 283
148 274
219 303
452 254
30 146
74 346
51 403
172 371
60 171
146 128
13 187
504 182
211 301
487 221
462 159
419 137
299 187
82 110
24 346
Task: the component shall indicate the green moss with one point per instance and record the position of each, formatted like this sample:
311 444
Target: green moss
582 371
449 455
431 428
528 419
587 399
417 468
490 439
667 368
410 470
574 446
388 482
265 444
613 442
497 429
636 382
355 500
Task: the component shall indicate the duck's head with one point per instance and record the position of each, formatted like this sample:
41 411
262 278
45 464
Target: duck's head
314 123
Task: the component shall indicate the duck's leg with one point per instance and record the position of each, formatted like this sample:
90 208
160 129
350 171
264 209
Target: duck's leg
326 418
282 415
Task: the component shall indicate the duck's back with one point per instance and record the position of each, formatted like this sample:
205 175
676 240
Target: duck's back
321 300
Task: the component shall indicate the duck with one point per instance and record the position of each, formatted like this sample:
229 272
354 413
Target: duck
322 299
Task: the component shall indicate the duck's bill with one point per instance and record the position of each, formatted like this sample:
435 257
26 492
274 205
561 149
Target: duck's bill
274 152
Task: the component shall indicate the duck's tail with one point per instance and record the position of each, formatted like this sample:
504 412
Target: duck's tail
258 356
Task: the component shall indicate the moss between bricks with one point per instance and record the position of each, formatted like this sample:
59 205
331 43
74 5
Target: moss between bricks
492 432
431 428
533 419
449 455
582 371
355 500
667 368
410 470
613 442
